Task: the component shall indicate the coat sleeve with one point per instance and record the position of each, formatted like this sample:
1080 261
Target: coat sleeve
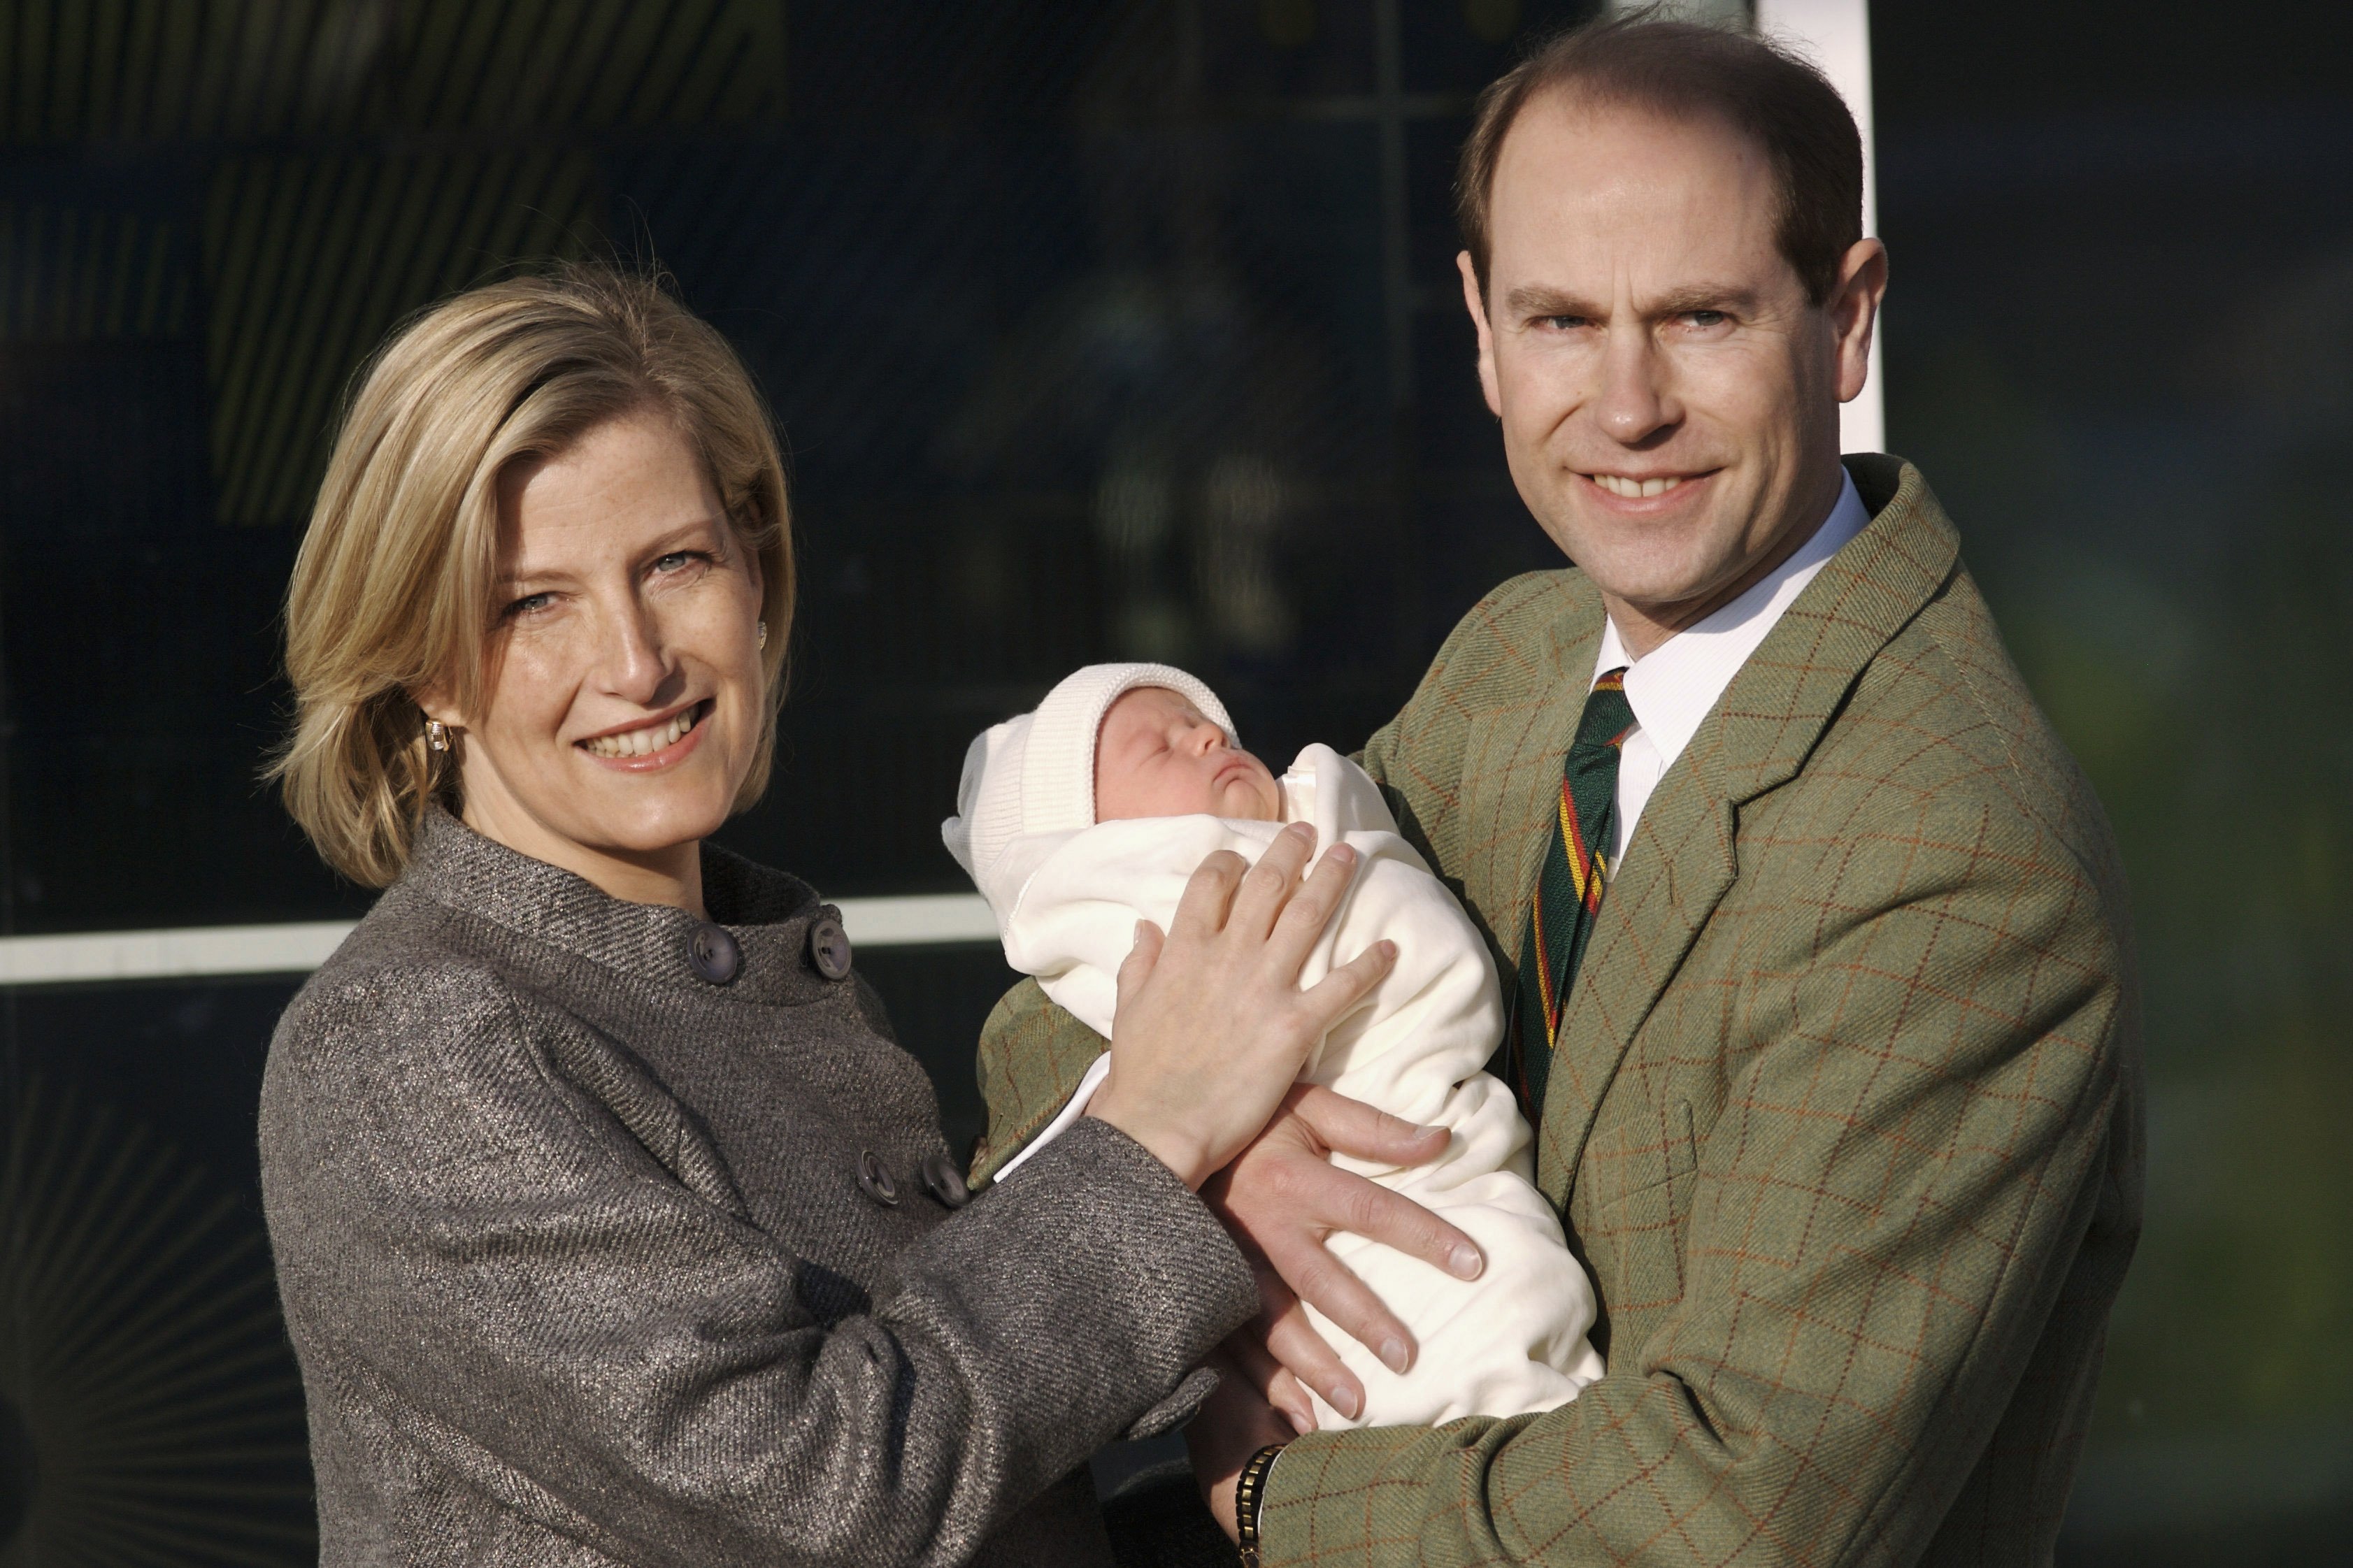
1882 1218
1032 1054
481 1263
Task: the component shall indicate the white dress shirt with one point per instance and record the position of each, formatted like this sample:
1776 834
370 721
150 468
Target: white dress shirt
1674 687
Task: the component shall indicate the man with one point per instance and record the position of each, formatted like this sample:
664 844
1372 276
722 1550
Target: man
1837 1087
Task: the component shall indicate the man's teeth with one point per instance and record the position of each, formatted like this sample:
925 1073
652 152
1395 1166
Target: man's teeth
1634 490
639 743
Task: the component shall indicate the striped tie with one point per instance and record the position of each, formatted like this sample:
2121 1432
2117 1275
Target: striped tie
1568 891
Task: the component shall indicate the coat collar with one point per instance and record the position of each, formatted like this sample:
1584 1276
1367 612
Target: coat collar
768 913
1683 857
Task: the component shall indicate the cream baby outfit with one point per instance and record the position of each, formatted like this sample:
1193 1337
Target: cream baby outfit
1067 892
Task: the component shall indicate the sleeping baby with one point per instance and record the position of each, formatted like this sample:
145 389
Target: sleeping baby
1078 819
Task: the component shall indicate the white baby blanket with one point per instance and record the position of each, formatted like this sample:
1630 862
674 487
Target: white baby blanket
1511 1342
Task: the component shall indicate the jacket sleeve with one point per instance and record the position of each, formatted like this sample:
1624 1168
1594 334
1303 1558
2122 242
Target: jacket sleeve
1032 1054
479 1260
1909 1161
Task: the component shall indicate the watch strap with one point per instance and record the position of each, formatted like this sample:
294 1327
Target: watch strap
1249 1496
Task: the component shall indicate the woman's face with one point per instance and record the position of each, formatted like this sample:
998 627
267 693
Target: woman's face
626 691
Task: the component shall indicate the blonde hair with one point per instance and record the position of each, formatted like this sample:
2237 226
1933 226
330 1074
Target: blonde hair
392 588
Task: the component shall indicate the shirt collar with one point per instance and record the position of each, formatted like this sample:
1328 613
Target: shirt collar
1674 687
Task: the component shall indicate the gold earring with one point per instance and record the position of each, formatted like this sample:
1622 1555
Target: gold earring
763 633
437 734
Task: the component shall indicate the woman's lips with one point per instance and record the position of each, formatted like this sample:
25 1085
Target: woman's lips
652 747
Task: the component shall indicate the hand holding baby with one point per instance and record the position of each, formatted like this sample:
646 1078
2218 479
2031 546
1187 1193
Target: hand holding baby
1212 1028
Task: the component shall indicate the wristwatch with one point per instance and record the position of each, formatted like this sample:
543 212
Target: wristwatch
1249 1495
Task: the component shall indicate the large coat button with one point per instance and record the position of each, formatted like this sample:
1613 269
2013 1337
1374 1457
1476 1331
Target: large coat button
875 1178
712 954
828 948
946 1182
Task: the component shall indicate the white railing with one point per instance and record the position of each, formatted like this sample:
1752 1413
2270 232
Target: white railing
188 953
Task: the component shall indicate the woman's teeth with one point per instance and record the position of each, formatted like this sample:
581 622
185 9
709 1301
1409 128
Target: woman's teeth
1634 490
645 742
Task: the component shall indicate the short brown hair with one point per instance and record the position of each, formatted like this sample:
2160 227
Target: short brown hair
391 587
1680 69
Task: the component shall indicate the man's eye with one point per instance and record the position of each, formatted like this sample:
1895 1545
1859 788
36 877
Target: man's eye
1706 318
1561 323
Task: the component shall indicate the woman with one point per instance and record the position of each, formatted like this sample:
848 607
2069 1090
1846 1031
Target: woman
611 1224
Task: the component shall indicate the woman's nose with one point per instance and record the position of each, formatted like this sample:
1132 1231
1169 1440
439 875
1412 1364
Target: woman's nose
635 665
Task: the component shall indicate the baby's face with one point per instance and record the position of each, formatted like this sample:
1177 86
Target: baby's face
1158 755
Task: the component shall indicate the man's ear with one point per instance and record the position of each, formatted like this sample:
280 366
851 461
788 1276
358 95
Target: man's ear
1855 312
1475 301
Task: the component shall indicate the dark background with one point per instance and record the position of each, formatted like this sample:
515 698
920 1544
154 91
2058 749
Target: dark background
1130 329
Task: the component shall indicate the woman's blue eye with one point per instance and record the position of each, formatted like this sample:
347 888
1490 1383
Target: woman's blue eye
529 603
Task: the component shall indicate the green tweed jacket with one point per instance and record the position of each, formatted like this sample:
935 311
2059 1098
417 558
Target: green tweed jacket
1846 1117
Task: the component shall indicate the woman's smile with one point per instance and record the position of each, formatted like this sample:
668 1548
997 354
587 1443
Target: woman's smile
649 745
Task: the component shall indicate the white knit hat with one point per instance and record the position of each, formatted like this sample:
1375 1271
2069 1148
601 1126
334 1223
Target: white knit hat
1036 772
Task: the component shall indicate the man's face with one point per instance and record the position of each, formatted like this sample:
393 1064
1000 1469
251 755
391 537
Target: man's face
1669 397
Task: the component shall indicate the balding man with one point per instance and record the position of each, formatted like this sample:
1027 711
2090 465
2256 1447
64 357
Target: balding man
1824 1009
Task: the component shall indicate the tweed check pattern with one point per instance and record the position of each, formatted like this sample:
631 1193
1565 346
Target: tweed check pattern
1845 1116
1568 890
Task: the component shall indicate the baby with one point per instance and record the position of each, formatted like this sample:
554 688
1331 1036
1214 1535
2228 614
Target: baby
1078 819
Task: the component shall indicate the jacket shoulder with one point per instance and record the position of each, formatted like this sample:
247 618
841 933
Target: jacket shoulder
1943 713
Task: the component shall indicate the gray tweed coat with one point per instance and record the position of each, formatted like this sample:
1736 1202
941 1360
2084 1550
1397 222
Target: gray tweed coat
586 1261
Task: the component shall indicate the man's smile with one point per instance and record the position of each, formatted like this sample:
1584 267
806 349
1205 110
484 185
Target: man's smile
1639 487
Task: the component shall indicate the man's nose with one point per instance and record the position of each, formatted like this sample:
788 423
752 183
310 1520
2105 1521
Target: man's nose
1634 404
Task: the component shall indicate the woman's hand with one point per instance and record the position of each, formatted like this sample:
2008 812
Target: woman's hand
1211 1027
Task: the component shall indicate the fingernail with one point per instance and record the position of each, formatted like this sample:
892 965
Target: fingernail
1393 1355
1341 854
1465 1263
1302 1422
1343 1399
1388 947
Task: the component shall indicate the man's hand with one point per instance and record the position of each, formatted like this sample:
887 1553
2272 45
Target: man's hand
1232 1424
1282 1198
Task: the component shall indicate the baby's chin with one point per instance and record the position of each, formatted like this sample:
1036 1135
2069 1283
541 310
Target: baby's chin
1253 798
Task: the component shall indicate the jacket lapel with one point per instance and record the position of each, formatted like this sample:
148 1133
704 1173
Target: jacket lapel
1683 857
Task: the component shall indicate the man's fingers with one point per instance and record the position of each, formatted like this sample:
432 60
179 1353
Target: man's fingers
1291 1340
1320 1279
1272 1379
1352 1127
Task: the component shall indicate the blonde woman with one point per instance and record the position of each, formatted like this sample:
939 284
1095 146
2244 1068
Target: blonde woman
612 1226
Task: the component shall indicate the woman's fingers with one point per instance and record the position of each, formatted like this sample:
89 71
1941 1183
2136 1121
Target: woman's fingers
1333 997
1270 886
1311 909
1203 910
1137 967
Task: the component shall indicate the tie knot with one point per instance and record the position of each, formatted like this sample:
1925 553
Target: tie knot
1608 716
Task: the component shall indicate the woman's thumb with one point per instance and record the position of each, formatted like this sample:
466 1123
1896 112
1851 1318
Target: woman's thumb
1137 967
